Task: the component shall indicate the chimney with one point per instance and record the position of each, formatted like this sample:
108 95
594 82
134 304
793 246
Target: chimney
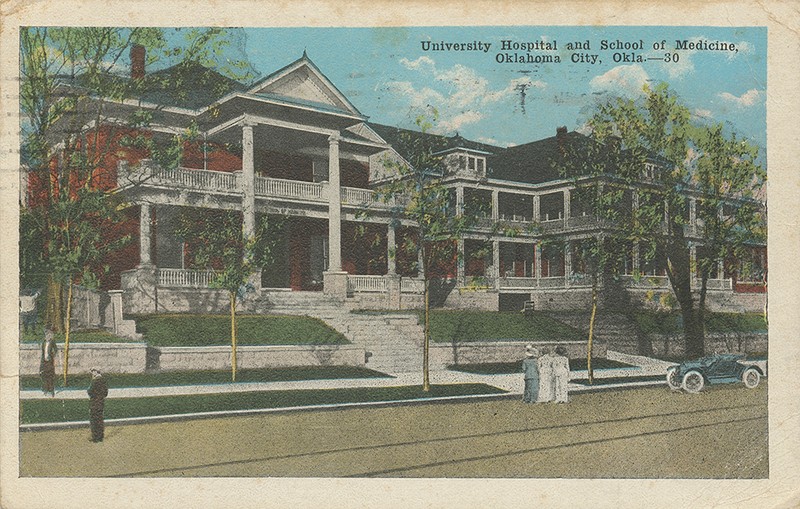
561 131
137 61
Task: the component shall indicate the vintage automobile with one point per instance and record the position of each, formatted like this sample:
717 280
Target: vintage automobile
692 376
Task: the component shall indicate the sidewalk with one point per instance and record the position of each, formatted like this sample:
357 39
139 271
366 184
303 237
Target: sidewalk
511 383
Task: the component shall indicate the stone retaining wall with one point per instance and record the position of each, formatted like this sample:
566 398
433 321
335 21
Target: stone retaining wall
673 344
219 357
107 357
503 351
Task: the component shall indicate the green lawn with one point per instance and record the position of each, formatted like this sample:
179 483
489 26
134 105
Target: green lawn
449 326
651 322
505 368
173 378
87 336
210 330
57 410
619 380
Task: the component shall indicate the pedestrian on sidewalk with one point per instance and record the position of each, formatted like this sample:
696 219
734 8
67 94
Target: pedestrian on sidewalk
530 367
561 375
98 390
47 363
545 365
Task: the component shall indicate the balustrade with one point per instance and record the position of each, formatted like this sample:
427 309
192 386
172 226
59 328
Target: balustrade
185 278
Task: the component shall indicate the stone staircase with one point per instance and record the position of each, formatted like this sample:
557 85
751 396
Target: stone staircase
392 342
614 329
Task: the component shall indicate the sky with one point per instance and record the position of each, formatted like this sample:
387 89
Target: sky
388 76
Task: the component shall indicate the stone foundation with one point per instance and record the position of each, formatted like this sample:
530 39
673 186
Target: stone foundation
672 345
484 352
107 357
219 357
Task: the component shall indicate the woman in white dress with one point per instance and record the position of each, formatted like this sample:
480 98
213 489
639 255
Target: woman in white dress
561 375
545 364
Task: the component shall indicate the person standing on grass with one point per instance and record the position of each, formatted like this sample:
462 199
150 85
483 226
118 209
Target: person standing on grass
98 390
530 367
47 363
545 365
561 375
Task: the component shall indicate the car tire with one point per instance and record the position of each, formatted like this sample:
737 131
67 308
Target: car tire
693 382
672 378
751 377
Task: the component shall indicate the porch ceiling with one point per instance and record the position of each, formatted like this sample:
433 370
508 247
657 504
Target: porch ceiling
294 138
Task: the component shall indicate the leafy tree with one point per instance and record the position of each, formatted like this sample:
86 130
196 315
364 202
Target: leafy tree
217 242
69 87
420 195
657 133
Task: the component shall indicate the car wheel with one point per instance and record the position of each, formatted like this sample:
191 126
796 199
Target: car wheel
693 382
672 378
751 377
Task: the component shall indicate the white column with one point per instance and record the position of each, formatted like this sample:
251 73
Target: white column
495 204
460 273
537 261
459 200
496 260
420 264
537 208
636 262
248 182
693 264
566 205
334 206
391 251
144 235
568 260
693 215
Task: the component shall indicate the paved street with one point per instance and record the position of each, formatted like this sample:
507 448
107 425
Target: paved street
637 433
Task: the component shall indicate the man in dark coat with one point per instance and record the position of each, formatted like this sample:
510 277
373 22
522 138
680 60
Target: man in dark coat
98 390
47 363
530 368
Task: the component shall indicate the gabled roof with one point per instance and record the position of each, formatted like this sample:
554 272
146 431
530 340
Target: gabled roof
303 82
188 85
404 141
533 162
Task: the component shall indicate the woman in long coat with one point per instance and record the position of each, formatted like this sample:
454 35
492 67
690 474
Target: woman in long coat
530 367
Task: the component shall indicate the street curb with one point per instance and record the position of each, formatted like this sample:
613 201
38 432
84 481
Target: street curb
325 407
255 411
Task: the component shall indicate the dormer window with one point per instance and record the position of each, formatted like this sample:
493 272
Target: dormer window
476 164
650 171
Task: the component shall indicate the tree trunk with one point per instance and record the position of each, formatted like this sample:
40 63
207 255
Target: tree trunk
426 382
590 371
232 297
54 316
680 275
66 330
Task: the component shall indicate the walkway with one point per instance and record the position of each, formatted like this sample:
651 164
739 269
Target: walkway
512 383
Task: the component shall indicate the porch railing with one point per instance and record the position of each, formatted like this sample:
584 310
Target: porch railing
364 197
412 285
185 278
289 188
645 281
361 283
519 282
715 284
195 179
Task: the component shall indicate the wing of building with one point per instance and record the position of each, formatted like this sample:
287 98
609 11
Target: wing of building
292 145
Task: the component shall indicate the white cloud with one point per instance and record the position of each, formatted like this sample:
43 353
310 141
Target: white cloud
459 93
747 99
701 113
626 80
460 120
420 64
742 48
